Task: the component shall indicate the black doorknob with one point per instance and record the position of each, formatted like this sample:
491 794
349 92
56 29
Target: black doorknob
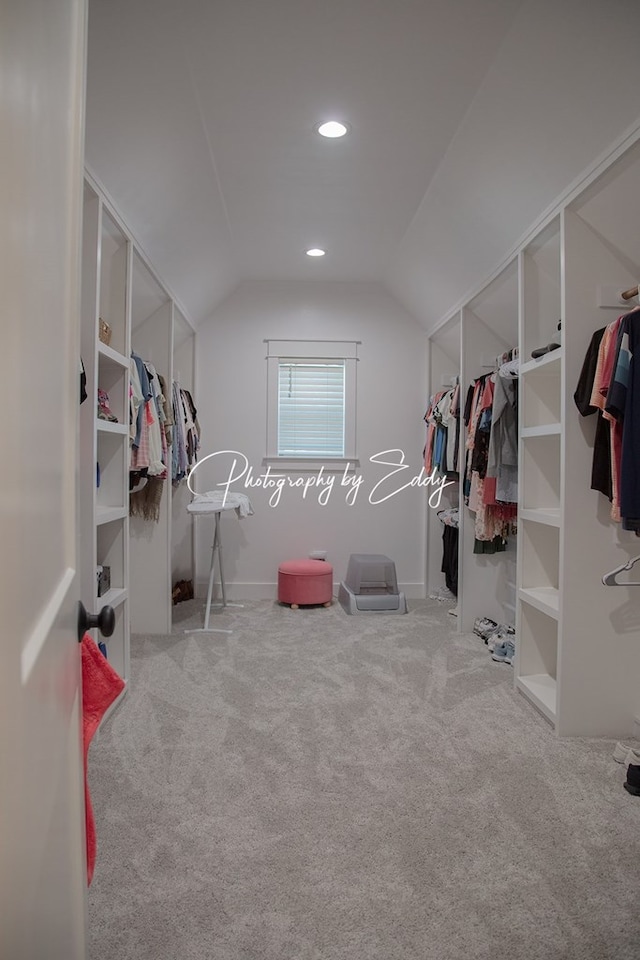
105 621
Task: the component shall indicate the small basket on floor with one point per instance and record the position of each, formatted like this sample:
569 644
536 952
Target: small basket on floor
305 583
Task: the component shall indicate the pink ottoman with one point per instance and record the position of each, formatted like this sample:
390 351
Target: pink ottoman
305 582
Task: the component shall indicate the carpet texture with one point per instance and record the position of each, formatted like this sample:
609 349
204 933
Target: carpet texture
315 786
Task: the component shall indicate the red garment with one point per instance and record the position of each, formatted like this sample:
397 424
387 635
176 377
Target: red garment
489 491
100 687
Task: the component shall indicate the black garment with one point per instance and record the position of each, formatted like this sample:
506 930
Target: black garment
83 382
601 466
468 403
450 557
497 545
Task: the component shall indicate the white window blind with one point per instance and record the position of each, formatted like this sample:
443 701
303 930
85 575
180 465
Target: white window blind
311 408
311 404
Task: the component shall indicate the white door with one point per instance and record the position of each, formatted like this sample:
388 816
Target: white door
42 857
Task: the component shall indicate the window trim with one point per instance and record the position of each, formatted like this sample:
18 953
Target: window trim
346 350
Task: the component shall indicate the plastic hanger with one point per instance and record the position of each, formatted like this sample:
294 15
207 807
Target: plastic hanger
609 579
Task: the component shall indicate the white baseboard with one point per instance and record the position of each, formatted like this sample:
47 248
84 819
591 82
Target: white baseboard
236 592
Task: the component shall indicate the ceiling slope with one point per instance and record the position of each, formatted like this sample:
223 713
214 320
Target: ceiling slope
200 127
562 88
468 120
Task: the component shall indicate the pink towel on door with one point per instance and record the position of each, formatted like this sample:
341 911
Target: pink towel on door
100 687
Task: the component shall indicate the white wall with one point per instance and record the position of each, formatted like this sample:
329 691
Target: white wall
231 377
562 88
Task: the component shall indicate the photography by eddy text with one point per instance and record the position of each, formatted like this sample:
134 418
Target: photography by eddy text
321 482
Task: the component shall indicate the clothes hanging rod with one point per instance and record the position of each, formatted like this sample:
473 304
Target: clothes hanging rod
630 293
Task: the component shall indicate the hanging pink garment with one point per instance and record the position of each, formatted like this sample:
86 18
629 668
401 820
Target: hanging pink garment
100 687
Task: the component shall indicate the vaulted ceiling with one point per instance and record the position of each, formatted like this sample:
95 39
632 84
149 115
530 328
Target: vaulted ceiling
200 126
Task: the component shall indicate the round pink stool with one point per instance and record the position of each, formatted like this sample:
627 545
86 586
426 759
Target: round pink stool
303 582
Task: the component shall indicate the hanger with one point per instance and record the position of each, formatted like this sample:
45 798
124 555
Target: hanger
609 579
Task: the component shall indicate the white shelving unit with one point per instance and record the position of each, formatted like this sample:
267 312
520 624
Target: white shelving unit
161 335
540 518
578 641
104 523
183 531
576 660
487 582
598 653
119 286
151 318
538 606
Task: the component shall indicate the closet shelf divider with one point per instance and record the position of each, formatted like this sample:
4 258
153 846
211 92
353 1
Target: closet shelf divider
544 599
540 689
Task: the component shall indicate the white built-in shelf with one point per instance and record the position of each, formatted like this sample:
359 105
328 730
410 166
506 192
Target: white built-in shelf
545 599
110 426
544 430
109 514
104 478
540 689
548 364
113 598
547 515
108 353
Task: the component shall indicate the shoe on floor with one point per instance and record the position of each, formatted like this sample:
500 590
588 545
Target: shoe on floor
442 594
632 783
484 627
623 753
502 634
622 750
496 639
504 652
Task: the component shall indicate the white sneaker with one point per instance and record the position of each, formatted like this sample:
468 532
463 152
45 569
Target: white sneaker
623 753
500 636
504 652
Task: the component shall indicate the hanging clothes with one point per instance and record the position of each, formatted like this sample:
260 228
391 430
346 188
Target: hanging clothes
186 433
434 426
615 394
623 405
490 474
601 478
442 419
450 539
503 442
150 437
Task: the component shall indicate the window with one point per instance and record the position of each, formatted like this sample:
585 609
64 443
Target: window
311 390
311 408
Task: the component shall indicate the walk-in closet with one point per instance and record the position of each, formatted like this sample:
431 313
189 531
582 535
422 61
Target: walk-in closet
374 270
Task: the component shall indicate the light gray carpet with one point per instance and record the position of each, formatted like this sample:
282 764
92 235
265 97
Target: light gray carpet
316 786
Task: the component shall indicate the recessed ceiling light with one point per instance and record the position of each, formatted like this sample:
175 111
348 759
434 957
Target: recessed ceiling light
316 252
332 129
